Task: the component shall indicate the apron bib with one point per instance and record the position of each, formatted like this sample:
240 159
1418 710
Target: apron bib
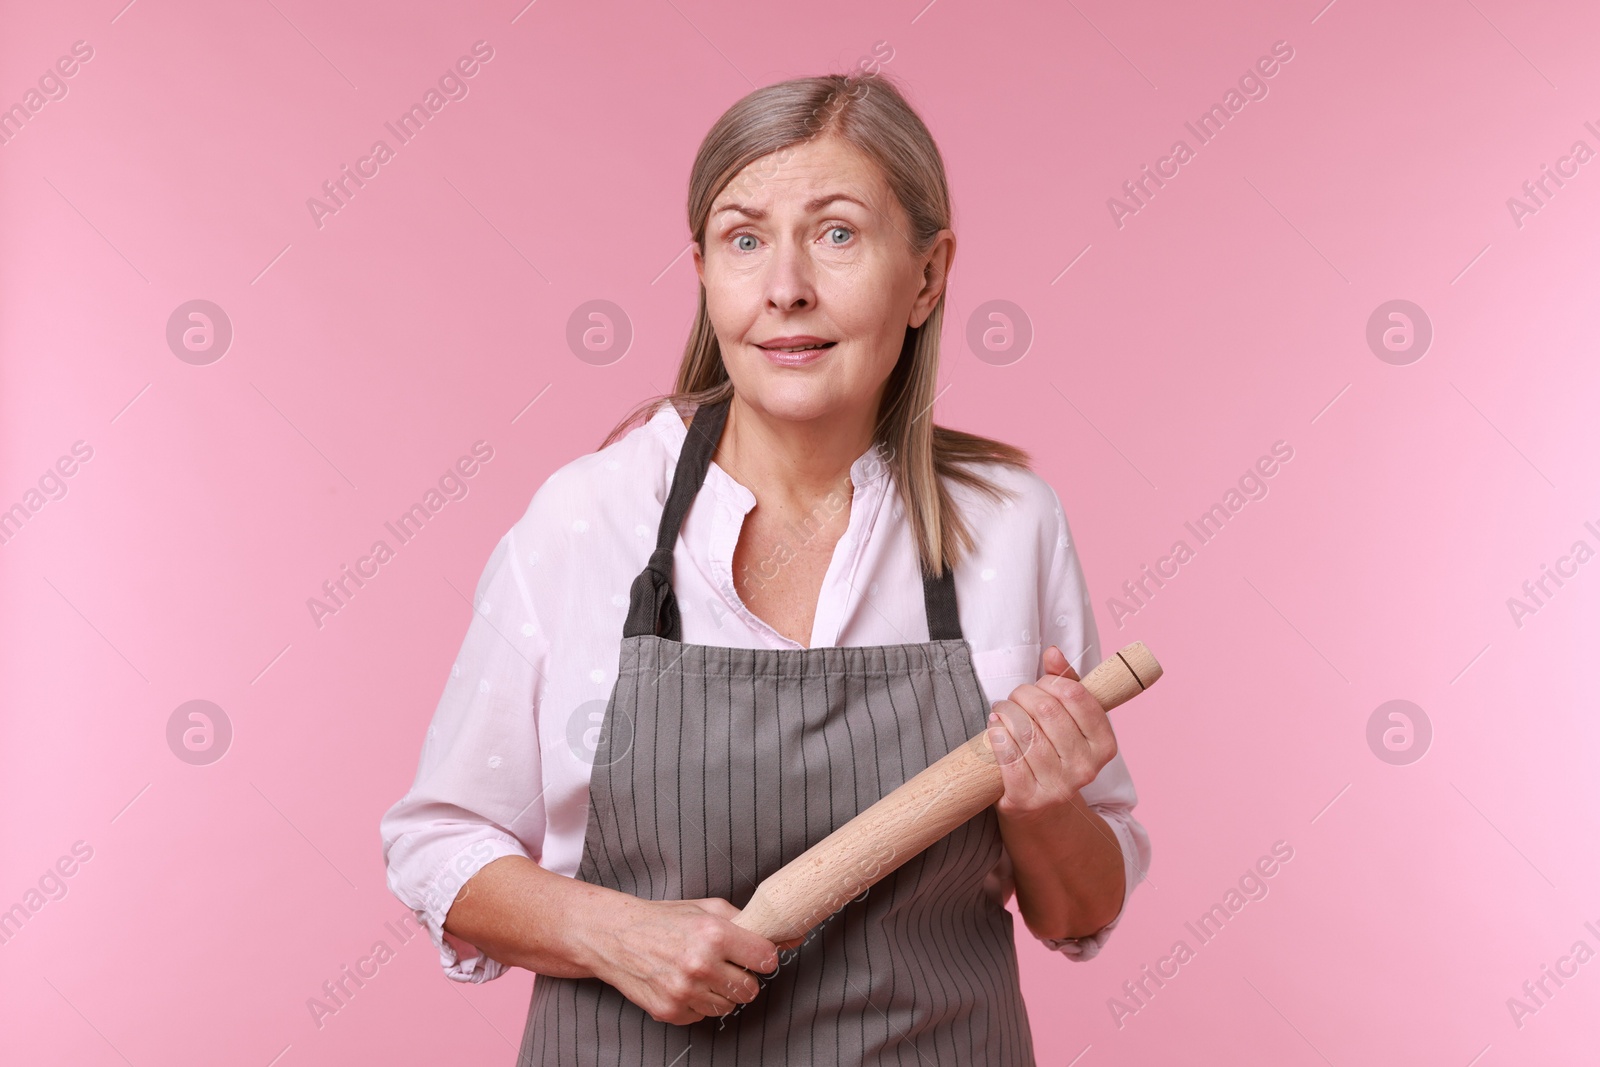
716 766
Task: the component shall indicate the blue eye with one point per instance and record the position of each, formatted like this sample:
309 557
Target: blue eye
837 229
745 237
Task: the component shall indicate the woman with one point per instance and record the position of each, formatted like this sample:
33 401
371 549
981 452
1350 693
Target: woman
837 591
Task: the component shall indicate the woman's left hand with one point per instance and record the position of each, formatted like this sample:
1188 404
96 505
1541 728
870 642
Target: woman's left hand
1050 738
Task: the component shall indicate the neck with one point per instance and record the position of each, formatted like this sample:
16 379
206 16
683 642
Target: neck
789 459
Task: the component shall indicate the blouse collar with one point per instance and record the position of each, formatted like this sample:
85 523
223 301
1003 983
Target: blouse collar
870 481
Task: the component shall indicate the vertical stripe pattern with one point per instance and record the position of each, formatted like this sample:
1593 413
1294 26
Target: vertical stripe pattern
739 760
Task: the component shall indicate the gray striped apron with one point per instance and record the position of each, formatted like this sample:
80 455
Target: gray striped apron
716 766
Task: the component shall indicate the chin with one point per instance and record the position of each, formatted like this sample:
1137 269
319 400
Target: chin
795 401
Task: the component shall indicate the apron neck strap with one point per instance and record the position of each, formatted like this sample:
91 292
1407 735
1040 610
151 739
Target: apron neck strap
939 598
652 605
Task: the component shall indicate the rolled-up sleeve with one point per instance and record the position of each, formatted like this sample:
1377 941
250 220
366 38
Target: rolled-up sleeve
1068 622
477 792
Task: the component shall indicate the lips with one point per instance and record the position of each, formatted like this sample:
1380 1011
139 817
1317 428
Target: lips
798 343
791 357
799 350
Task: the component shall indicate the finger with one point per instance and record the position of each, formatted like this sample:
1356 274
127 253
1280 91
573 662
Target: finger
1084 710
1016 772
745 947
1074 726
1056 663
749 949
1018 719
712 1005
722 909
739 986
1041 724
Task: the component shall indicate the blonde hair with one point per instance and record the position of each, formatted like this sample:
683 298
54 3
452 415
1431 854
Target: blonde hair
868 111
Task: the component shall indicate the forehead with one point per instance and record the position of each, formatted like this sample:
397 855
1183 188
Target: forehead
793 175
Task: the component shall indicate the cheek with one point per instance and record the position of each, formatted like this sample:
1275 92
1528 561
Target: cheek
727 306
862 303
863 299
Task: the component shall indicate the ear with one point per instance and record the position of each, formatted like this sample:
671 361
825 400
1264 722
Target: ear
699 264
935 273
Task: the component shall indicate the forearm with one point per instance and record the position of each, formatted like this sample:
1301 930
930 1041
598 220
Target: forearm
1068 868
524 915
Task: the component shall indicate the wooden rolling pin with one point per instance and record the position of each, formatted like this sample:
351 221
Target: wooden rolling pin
869 847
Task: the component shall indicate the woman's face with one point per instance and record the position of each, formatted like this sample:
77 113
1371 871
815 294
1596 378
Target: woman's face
810 244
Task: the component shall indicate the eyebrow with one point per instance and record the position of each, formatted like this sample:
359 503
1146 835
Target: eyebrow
811 206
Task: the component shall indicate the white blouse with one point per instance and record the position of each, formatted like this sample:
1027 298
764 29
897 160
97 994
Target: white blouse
504 769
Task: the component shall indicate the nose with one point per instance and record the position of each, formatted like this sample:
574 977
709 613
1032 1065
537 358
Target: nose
790 280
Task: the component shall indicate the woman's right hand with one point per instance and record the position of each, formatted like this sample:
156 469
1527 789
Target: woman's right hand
679 960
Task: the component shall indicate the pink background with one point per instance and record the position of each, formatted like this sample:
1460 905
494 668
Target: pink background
1227 314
